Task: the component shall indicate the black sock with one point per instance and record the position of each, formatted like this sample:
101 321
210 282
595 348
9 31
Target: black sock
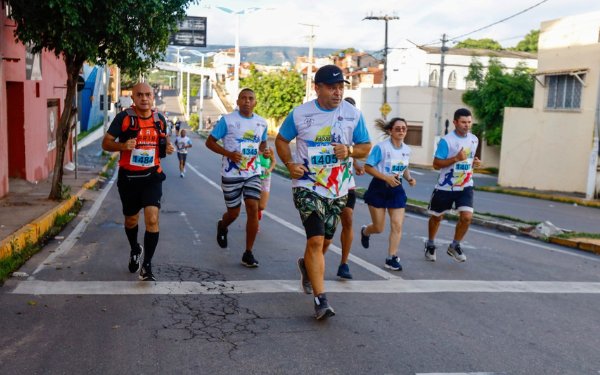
150 242
132 237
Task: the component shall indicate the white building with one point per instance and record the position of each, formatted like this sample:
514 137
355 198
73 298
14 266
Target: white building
412 65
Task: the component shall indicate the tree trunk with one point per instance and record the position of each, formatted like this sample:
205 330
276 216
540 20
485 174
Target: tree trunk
73 65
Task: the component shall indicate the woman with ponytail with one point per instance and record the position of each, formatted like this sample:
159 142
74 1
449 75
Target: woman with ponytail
388 164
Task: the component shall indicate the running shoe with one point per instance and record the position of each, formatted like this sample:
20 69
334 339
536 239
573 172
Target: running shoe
221 235
344 271
456 253
304 279
146 273
322 308
134 259
181 175
393 264
430 253
259 214
364 239
248 259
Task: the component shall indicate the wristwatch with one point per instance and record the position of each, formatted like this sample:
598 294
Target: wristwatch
350 150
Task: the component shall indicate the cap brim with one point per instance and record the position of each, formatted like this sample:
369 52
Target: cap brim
334 80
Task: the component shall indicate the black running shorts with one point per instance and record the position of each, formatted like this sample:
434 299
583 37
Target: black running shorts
139 189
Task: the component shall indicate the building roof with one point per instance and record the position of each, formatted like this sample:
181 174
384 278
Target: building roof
481 52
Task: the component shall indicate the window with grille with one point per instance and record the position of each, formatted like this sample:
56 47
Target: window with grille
452 80
433 79
414 135
564 92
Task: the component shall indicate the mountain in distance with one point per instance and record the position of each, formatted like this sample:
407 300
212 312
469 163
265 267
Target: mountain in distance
267 55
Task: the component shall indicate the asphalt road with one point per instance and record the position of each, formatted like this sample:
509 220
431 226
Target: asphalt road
517 306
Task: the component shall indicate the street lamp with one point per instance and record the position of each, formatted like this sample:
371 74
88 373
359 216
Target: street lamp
236 73
200 110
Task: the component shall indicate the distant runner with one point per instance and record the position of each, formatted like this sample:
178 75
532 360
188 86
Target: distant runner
182 143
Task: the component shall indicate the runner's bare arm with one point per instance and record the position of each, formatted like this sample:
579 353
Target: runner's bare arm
170 148
109 144
211 144
411 181
443 163
285 154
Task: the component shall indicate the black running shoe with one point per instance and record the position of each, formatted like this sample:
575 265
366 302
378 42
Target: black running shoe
364 239
135 259
221 235
248 259
146 273
322 308
305 283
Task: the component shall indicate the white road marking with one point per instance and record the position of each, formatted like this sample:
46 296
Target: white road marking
528 243
79 230
39 287
376 270
412 171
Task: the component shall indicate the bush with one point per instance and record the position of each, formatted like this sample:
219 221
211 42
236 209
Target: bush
194 121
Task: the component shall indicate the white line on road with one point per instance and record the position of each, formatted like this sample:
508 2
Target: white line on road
38 287
79 230
529 243
376 270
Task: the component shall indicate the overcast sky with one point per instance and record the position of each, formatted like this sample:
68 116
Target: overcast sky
341 25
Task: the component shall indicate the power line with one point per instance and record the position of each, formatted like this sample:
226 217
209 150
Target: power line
495 23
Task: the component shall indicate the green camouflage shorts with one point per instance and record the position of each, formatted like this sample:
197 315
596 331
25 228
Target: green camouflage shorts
327 209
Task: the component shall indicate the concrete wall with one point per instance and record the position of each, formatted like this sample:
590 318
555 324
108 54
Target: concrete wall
38 161
550 149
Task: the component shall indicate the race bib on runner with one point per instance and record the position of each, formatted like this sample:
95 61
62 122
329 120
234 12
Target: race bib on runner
142 158
462 167
249 149
397 167
322 157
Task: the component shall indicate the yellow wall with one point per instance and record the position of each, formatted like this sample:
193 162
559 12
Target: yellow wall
550 149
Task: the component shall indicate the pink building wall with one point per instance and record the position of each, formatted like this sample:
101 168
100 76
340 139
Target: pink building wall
39 162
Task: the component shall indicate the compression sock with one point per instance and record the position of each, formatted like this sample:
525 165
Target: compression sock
132 237
150 242
430 242
454 243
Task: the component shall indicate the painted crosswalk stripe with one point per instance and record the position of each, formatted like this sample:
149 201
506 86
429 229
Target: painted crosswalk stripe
39 287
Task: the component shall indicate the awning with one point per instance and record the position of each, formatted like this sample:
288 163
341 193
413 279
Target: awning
560 72
571 72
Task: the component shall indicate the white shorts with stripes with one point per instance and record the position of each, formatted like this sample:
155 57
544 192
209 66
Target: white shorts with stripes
234 187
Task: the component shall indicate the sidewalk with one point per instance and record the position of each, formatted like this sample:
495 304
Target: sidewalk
27 203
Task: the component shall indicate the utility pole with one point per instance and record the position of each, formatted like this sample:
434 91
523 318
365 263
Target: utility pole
385 18
311 39
440 96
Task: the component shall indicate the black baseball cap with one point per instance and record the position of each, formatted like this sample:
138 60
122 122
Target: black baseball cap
329 74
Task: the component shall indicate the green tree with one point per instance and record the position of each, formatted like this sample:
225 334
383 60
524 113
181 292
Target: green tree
485 43
277 94
344 51
130 34
529 43
496 89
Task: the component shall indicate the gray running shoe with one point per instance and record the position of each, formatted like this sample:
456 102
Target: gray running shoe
430 253
456 253
322 308
304 279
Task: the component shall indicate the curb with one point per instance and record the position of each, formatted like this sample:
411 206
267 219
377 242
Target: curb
32 232
581 245
549 197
